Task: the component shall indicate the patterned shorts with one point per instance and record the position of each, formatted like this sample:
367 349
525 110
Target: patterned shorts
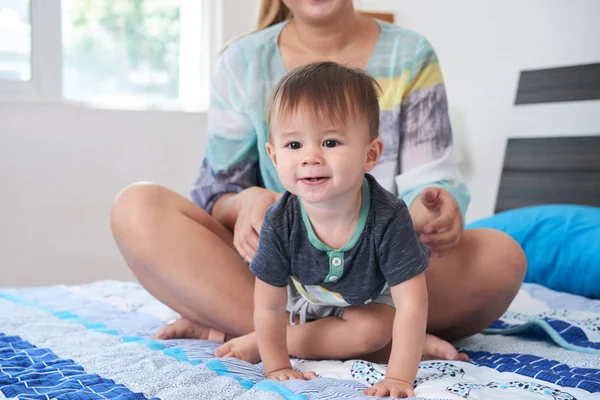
306 311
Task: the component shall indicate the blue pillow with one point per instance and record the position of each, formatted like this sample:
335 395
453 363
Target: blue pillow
562 244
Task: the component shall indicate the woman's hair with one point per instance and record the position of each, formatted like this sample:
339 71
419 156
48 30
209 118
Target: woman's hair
272 12
332 92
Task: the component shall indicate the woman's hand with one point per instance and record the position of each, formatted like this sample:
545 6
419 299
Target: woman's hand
437 218
251 206
391 387
287 374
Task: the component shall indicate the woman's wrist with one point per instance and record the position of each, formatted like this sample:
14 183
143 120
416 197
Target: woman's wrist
247 196
224 211
227 207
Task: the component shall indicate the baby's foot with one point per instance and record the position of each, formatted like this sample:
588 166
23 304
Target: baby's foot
186 329
438 349
243 347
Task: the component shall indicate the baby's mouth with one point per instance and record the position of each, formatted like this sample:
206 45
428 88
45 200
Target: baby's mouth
315 179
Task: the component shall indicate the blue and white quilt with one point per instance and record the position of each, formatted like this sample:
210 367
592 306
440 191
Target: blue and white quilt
94 342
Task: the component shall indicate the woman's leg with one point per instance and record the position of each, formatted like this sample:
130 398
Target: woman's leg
474 285
326 338
185 258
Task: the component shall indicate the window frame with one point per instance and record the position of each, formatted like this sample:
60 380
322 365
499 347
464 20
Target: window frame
46 83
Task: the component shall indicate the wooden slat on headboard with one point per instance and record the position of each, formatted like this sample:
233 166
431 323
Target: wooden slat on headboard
550 171
387 17
578 82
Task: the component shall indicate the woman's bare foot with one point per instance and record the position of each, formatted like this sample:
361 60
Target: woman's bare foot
186 329
243 347
246 348
438 349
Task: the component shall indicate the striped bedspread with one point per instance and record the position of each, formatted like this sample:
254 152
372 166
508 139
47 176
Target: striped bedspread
94 342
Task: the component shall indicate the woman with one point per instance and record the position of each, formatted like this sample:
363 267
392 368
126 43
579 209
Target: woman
193 257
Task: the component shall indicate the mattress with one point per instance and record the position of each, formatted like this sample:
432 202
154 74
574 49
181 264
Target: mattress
94 341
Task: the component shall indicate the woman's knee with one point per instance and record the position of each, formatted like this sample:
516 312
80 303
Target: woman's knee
475 284
136 209
512 262
145 213
504 264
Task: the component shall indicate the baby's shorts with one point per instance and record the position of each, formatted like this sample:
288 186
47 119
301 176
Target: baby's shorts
306 311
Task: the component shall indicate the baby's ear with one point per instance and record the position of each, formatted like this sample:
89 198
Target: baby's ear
271 152
374 150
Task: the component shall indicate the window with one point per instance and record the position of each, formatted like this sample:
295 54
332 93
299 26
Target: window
15 40
115 53
121 50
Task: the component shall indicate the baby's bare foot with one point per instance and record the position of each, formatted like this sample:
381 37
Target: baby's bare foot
438 349
243 347
186 329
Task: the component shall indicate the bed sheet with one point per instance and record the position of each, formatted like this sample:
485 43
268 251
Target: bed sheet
94 342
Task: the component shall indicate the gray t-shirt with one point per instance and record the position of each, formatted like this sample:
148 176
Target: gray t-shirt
383 251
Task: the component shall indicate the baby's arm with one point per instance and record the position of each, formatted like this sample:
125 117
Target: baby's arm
408 338
410 324
270 323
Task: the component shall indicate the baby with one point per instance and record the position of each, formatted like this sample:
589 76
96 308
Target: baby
337 248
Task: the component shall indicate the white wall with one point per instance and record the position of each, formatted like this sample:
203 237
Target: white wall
60 168
61 165
482 46
239 17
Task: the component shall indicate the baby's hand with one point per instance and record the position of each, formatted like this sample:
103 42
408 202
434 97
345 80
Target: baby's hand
391 387
286 374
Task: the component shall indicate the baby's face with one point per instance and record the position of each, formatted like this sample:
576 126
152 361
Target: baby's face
320 160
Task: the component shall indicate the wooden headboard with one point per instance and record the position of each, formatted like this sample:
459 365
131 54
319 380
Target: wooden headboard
564 170
387 17
553 170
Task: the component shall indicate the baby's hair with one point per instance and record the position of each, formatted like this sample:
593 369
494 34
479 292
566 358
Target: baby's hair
331 90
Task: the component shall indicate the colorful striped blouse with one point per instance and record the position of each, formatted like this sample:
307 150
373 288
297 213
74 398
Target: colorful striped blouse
414 122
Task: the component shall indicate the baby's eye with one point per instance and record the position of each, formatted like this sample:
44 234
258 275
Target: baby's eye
293 145
330 143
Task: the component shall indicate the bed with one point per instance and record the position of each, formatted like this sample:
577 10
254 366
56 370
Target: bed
94 341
